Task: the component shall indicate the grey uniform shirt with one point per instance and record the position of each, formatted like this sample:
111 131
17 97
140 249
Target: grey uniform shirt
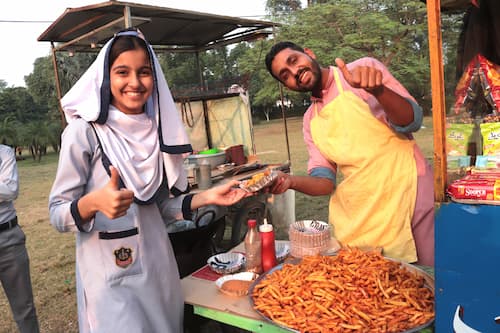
9 186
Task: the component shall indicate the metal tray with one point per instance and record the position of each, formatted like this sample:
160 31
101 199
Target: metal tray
428 278
261 183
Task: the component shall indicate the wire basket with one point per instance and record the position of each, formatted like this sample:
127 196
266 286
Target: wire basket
308 238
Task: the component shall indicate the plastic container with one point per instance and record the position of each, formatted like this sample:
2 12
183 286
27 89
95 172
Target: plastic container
205 176
209 151
236 155
268 247
253 246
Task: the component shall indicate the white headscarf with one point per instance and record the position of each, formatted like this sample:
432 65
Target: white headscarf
137 160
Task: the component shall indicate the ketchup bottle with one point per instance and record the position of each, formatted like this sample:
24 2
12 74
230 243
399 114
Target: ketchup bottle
268 247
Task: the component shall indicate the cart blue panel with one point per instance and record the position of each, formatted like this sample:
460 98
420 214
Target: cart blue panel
467 268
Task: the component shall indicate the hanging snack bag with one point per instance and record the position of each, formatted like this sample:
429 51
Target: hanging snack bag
491 138
457 136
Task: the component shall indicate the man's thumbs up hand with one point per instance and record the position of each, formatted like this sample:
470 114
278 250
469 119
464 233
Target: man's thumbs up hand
364 77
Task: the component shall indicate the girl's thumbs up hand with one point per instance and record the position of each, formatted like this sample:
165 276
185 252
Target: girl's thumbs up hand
113 201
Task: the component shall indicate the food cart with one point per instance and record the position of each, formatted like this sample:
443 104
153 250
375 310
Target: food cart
467 242
467 246
213 119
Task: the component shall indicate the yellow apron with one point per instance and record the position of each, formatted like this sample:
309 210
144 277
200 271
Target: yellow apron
373 205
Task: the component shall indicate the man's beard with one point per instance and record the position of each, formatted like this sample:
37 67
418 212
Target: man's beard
315 82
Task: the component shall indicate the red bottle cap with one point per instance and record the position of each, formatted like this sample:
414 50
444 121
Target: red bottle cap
252 223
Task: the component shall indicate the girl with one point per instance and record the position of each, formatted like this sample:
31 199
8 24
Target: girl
119 178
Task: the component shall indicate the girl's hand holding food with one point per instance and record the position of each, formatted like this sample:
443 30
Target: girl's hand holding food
224 195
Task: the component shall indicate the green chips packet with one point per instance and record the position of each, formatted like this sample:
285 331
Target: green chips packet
491 138
457 137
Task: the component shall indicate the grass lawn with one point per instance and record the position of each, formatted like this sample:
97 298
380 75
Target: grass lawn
52 254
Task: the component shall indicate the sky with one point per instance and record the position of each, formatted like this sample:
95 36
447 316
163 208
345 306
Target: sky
24 20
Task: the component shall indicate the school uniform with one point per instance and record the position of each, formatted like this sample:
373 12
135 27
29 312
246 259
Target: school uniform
127 276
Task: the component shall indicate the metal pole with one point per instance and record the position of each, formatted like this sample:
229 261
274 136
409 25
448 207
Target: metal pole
200 72
58 85
127 16
283 116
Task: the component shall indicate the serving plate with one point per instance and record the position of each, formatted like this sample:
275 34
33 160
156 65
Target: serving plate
429 283
226 263
282 251
250 186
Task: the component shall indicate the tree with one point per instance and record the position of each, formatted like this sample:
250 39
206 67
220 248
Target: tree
18 104
41 83
8 133
37 135
181 72
277 8
218 67
451 28
393 31
72 67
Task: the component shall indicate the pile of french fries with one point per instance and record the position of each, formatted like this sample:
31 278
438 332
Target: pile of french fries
354 291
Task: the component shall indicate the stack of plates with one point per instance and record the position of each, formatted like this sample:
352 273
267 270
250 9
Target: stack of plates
309 238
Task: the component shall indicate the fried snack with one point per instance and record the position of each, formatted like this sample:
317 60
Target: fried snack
352 291
257 177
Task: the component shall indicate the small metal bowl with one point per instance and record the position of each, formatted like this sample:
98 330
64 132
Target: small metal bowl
243 278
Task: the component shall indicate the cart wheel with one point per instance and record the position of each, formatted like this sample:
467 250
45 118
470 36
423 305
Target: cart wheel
250 210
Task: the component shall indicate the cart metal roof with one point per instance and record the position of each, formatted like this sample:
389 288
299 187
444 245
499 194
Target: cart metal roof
89 27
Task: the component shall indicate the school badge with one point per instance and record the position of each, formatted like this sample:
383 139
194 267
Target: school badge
123 257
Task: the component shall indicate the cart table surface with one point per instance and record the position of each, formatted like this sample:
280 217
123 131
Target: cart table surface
201 292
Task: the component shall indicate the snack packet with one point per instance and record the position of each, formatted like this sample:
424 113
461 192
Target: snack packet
491 138
476 188
457 137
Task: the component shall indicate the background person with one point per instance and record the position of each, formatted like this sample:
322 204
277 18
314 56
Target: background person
120 176
14 260
359 124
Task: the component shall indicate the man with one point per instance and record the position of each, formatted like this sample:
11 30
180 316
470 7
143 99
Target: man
14 261
360 124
